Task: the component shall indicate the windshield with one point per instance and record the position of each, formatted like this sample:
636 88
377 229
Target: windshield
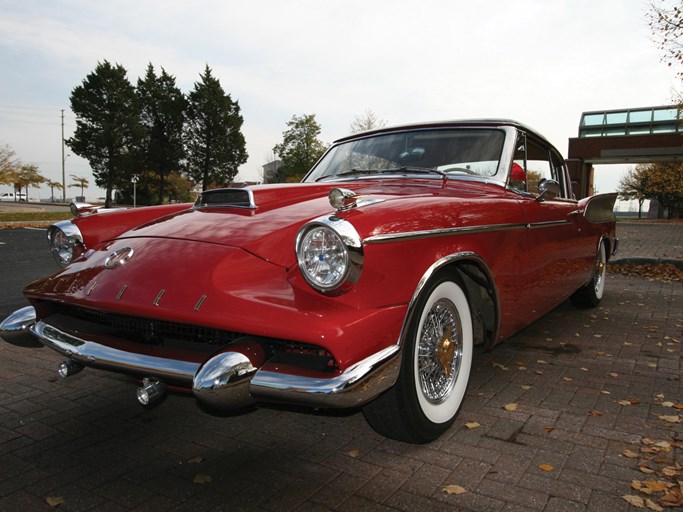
455 151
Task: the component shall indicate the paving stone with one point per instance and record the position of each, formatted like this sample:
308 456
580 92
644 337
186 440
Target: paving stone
87 439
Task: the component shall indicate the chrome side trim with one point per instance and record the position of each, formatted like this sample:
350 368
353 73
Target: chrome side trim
429 233
356 386
96 355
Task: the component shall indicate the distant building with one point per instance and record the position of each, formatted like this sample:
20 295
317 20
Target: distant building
270 171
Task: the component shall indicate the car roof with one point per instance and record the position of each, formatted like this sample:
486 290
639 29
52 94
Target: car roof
444 124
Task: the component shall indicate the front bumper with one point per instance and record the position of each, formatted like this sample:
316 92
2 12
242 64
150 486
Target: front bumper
233 377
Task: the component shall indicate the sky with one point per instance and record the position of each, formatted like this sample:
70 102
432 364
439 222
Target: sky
542 63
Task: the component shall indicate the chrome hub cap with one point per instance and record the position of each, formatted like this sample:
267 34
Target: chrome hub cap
439 351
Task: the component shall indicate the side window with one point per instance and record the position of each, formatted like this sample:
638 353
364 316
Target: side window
538 165
534 161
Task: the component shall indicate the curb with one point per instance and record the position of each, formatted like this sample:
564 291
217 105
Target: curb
648 261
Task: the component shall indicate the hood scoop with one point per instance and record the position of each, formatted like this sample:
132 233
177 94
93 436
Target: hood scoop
234 197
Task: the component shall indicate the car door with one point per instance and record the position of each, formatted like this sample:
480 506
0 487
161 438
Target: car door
560 255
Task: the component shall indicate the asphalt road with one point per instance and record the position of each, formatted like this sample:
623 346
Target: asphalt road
24 257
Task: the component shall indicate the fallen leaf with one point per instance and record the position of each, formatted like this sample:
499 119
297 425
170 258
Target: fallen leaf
548 429
55 501
646 470
613 374
670 419
541 361
594 413
538 372
605 392
546 467
454 489
672 498
195 460
526 388
353 453
652 505
568 379
669 471
521 368
500 366
201 479
657 485
630 454
624 402
510 407
472 424
636 501
583 369
678 406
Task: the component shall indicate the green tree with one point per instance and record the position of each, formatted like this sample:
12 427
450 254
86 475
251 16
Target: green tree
215 146
633 185
28 176
53 185
162 107
108 131
79 182
300 147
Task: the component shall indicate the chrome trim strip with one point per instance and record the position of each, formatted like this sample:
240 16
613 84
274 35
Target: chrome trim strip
121 291
158 297
96 355
549 224
92 288
429 233
356 386
199 303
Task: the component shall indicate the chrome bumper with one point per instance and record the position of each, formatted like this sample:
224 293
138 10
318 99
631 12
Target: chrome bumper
235 376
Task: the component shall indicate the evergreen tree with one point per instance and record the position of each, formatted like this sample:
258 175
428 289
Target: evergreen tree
162 107
108 130
214 143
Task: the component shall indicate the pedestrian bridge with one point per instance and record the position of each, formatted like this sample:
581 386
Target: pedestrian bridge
637 135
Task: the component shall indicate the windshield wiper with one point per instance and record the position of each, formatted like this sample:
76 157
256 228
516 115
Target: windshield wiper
403 168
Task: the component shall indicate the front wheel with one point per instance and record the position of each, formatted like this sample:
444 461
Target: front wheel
435 368
590 295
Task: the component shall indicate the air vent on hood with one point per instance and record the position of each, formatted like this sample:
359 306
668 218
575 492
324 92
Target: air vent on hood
236 197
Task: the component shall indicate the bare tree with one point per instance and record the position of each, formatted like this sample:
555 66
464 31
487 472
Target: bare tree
666 22
367 121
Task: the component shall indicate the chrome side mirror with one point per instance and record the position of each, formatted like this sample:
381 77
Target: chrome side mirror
548 189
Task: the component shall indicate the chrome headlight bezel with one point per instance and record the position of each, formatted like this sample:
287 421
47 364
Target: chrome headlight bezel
341 254
65 241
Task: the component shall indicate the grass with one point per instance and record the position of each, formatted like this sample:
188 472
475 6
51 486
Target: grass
34 216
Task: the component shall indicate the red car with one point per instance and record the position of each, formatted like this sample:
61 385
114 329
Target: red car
367 285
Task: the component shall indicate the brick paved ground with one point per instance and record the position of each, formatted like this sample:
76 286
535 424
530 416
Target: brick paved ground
85 440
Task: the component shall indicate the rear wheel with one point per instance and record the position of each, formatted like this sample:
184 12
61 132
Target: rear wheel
435 367
590 295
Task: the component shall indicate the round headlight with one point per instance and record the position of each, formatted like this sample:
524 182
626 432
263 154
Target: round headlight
63 238
323 258
61 247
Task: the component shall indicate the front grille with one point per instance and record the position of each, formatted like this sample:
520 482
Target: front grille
187 336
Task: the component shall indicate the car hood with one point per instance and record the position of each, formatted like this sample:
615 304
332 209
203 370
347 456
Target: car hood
269 230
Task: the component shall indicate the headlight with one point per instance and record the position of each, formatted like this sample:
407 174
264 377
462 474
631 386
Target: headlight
66 242
329 252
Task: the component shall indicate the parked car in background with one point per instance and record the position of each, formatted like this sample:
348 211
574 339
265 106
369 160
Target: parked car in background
13 196
367 285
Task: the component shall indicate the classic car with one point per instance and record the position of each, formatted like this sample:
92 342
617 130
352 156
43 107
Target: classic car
366 285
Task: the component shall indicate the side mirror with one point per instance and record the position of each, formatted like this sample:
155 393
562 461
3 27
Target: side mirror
548 189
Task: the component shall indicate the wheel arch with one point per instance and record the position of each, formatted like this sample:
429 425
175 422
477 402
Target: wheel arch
479 287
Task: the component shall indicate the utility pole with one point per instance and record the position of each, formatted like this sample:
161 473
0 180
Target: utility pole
63 163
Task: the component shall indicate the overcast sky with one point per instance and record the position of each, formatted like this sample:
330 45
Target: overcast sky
539 62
